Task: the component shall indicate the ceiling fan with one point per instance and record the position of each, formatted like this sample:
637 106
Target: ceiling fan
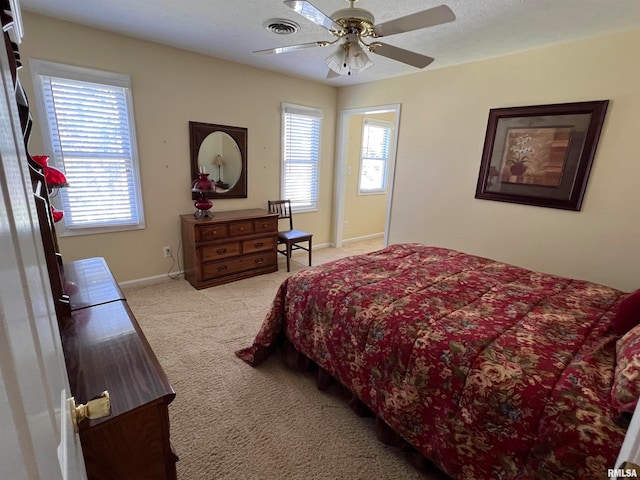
351 25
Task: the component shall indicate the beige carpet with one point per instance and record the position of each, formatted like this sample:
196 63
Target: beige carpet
232 421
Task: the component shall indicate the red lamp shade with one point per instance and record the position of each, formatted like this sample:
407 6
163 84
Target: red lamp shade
54 177
202 183
57 214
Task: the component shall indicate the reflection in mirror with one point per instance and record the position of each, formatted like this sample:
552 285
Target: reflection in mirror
220 151
220 157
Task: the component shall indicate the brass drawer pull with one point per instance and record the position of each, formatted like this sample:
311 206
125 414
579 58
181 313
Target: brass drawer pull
209 234
221 251
258 244
222 268
259 261
98 407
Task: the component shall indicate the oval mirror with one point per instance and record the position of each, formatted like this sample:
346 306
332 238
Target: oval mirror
220 151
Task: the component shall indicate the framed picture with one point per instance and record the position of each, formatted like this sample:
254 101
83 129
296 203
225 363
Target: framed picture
540 155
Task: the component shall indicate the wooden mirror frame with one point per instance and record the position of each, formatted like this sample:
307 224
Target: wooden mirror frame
198 132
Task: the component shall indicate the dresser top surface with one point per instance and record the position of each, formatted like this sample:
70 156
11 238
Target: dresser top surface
105 349
89 282
227 216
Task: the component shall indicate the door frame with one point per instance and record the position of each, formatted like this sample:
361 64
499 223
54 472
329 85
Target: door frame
342 166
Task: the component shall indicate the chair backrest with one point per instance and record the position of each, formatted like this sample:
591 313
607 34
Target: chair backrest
283 209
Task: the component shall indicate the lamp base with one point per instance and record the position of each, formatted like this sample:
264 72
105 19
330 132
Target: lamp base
202 214
203 205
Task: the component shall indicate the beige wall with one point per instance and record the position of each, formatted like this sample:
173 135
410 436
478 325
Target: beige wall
171 87
442 129
364 215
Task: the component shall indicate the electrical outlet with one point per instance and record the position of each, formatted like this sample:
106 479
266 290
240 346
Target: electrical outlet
168 252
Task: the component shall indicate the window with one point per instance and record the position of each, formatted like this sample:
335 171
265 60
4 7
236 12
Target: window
374 157
87 124
300 156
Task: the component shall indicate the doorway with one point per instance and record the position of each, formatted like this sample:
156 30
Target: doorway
347 198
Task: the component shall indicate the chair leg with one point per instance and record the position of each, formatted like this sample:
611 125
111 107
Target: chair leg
288 257
309 252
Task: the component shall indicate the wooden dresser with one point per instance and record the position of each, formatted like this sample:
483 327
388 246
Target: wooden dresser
229 246
103 345
105 349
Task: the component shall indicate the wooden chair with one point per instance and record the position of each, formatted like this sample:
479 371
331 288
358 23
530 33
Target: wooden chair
291 238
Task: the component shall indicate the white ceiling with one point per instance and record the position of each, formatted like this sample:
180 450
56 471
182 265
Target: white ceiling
232 29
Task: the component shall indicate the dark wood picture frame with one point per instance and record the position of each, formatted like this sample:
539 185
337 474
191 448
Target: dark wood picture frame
540 155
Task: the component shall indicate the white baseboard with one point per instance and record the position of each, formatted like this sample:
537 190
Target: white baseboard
142 282
362 238
322 245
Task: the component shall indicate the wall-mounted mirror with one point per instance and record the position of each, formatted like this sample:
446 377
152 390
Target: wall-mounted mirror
220 151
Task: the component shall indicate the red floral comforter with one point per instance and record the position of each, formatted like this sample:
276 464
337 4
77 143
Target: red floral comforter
490 370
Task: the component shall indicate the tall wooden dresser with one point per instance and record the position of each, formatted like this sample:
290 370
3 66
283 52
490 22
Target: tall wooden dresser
229 246
105 349
103 345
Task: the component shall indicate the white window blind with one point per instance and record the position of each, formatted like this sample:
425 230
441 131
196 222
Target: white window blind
92 139
301 156
374 158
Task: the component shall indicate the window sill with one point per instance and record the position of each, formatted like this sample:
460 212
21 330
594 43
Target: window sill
75 232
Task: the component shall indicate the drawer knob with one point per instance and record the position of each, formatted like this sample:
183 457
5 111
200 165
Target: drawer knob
222 268
221 251
259 261
258 244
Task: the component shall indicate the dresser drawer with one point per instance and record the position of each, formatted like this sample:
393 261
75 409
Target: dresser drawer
220 251
266 225
258 244
237 265
240 228
211 232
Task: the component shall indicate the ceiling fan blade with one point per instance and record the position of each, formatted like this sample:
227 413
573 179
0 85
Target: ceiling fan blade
310 12
401 55
290 48
426 18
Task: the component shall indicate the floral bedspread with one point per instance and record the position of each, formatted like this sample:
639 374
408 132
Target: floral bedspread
490 370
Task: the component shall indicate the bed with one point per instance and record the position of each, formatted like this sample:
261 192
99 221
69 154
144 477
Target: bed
489 370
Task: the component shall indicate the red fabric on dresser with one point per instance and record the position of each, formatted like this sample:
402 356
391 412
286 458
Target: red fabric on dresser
490 370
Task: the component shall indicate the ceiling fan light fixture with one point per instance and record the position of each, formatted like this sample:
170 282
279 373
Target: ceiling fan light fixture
349 58
357 59
337 61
